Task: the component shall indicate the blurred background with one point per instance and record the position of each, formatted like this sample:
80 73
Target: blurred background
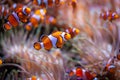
91 54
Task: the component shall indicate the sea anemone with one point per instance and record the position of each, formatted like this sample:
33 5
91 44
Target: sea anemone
95 48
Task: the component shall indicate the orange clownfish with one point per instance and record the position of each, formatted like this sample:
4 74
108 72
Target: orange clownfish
37 17
56 39
71 73
40 12
15 6
110 67
23 13
49 3
81 74
50 19
13 20
72 31
28 26
3 11
109 15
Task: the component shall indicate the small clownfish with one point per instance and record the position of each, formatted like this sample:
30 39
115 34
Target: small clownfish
81 74
49 3
23 13
13 20
40 12
109 15
56 39
50 19
3 11
72 31
15 6
37 17
71 73
28 26
110 67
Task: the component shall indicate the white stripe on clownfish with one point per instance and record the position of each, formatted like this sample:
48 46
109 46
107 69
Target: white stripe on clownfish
67 31
23 10
111 66
36 17
46 2
51 18
83 73
42 12
9 23
53 1
16 17
30 24
42 45
3 8
39 2
74 29
14 5
63 34
107 14
53 40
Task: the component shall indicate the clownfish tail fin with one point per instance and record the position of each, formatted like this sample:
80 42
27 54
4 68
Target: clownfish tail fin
7 26
38 45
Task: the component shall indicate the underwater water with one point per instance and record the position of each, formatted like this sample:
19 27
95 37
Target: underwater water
59 40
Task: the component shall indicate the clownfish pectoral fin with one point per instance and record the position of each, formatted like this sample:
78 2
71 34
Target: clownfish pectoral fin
43 37
60 42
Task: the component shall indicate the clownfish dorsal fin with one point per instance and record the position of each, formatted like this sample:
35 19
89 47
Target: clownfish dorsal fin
43 37
54 31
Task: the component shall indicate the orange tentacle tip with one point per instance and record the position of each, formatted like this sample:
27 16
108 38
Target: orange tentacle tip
1 61
34 78
37 45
